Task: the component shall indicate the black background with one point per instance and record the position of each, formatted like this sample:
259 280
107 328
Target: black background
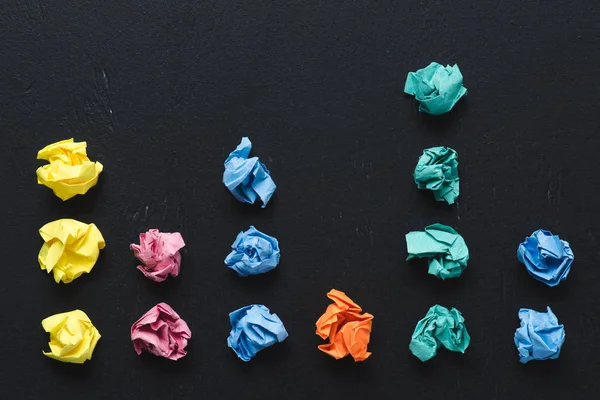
162 91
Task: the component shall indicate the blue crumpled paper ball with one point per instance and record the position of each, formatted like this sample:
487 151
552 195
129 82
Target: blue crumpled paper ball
539 337
253 253
254 328
436 88
547 258
247 178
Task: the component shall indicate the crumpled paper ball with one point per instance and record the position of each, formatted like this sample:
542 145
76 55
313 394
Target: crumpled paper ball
440 327
348 329
446 250
161 332
69 172
539 337
70 248
254 328
73 338
437 170
253 253
159 254
247 178
547 258
436 88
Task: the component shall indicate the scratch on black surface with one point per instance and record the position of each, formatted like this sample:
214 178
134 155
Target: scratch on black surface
553 189
179 216
166 209
590 235
102 93
141 5
29 88
34 9
92 105
41 8
503 288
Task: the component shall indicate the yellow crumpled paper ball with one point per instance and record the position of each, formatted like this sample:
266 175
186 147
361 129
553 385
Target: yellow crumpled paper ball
72 337
70 171
71 248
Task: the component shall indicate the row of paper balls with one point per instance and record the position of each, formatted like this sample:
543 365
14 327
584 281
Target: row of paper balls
71 248
162 332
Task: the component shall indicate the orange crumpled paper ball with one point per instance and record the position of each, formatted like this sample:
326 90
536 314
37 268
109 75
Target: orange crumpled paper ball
348 330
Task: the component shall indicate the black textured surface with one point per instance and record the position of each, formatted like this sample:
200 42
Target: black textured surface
163 90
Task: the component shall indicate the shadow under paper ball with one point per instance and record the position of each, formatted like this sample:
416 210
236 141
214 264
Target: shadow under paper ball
442 124
79 205
419 275
427 197
252 284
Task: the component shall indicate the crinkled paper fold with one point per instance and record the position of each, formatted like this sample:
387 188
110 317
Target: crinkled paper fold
69 171
70 248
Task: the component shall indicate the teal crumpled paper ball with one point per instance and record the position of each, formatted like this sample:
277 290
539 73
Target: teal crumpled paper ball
445 249
437 170
440 327
436 88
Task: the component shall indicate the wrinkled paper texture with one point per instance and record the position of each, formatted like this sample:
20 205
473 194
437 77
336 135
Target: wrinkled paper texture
73 337
348 330
253 252
159 254
436 88
539 337
440 327
247 178
161 332
254 328
437 170
70 248
445 249
547 258
69 172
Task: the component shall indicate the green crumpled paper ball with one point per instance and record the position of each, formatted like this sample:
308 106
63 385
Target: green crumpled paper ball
436 88
440 327
437 170
443 246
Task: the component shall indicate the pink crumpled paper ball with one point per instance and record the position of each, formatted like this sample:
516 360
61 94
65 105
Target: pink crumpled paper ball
161 332
159 254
